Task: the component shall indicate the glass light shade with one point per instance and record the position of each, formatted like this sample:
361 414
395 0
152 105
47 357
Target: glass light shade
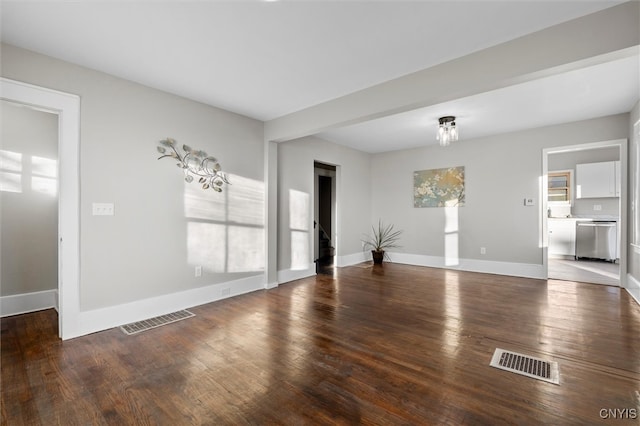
447 131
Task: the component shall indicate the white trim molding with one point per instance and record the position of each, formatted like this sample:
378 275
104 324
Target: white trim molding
269 286
287 275
633 287
67 106
622 145
16 304
114 316
526 270
351 259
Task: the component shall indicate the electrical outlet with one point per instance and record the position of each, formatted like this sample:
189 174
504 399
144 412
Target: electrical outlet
483 250
597 207
198 271
529 202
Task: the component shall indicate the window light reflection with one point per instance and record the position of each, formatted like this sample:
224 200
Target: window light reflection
10 182
451 234
453 324
44 185
10 161
44 175
225 231
45 167
19 173
246 250
299 225
10 171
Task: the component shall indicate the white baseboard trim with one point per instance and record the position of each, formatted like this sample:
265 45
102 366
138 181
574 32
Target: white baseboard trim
633 287
287 275
526 270
114 316
269 286
16 304
351 259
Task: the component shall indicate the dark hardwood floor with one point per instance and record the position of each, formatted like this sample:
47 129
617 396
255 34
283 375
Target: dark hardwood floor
371 345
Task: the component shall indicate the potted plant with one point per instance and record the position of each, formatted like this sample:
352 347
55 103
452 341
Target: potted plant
383 237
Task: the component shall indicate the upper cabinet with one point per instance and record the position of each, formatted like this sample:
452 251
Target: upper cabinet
598 180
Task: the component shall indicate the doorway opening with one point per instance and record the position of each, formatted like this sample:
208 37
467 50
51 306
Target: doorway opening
324 218
583 210
67 108
29 208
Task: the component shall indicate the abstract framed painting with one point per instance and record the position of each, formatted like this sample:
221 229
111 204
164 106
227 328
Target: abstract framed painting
439 187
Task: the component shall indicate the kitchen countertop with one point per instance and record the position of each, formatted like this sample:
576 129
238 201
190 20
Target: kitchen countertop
594 217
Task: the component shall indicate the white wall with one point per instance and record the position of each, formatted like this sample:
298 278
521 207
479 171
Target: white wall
500 172
296 195
28 200
162 226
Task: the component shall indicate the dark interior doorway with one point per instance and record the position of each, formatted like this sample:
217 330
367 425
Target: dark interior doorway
324 211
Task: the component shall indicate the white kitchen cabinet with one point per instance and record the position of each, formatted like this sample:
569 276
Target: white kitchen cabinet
562 237
598 180
617 177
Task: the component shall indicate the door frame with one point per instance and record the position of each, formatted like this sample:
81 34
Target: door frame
333 174
622 145
67 107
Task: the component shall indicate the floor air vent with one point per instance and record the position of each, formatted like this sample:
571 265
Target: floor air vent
148 324
526 365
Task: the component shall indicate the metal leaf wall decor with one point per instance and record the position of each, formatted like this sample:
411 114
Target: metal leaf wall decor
195 164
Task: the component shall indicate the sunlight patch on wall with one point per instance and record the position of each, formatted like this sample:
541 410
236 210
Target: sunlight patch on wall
451 236
18 173
10 182
298 210
299 226
246 201
10 171
299 250
225 231
44 167
201 204
246 250
207 245
11 161
45 175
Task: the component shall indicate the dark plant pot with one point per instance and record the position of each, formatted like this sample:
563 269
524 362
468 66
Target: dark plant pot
377 256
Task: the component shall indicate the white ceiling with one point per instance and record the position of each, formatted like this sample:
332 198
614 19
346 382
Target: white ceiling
597 91
268 59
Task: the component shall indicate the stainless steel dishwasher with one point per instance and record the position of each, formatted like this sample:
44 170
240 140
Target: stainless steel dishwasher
597 240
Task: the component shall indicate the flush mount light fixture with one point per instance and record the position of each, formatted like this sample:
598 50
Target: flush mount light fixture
447 130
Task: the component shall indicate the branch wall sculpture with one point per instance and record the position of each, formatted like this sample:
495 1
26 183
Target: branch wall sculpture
195 163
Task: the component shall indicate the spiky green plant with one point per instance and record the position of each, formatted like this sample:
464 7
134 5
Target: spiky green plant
382 238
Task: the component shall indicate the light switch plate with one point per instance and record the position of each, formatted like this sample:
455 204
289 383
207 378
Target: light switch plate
528 202
103 209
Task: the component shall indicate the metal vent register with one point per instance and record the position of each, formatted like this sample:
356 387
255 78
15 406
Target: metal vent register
526 365
148 324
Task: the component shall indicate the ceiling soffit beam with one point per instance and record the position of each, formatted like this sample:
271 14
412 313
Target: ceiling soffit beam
596 38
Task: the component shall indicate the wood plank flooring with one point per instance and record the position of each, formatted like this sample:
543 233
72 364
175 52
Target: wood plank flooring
395 344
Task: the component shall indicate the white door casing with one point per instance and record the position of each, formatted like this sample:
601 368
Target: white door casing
67 107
